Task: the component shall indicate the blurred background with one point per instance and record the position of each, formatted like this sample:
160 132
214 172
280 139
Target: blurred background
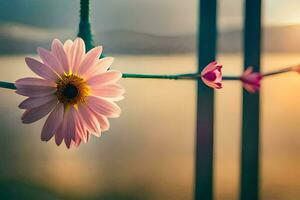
149 151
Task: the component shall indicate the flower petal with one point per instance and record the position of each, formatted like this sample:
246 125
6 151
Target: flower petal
104 123
77 141
89 119
252 88
210 67
59 52
37 113
79 128
248 71
34 82
101 66
119 98
103 106
41 69
69 134
251 80
88 136
109 91
106 78
33 102
50 60
76 54
61 131
34 87
212 84
67 46
89 61
218 74
59 135
53 122
35 91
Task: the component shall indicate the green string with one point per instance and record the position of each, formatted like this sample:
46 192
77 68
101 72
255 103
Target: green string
159 76
7 85
279 71
192 76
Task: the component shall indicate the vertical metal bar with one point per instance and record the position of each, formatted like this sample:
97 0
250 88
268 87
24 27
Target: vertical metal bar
85 30
251 117
205 102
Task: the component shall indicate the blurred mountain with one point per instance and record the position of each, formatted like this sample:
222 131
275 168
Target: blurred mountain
274 39
17 39
130 42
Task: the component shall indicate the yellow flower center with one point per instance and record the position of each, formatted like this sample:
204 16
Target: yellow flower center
71 89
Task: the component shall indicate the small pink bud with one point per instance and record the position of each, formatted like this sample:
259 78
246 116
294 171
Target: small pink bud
297 68
251 80
211 75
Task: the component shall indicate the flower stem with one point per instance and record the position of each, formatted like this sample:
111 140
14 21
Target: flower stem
288 69
85 31
7 85
231 78
152 76
159 76
192 76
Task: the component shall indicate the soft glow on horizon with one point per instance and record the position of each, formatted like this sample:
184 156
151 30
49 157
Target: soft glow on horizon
278 12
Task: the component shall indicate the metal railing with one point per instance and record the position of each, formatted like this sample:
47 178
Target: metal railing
249 181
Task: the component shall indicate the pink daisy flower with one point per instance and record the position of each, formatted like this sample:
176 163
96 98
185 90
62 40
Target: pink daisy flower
251 80
75 87
211 75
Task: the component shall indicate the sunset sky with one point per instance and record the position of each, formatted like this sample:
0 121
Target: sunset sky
170 17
